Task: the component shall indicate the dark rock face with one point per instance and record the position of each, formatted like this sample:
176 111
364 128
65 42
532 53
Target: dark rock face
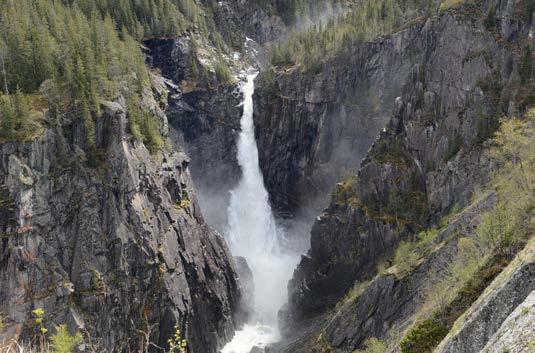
391 303
313 129
171 56
206 122
113 249
460 77
237 18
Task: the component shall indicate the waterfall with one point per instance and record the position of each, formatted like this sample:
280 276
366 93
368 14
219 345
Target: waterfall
253 234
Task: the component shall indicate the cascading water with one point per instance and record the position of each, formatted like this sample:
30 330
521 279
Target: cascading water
253 234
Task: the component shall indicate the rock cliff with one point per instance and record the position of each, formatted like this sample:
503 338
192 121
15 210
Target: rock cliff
120 250
456 72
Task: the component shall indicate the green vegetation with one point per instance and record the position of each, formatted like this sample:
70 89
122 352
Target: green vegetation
409 253
39 320
17 122
491 22
447 4
345 192
367 20
374 345
425 338
143 125
151 18
184 201
449 298
56 58
63 341
353 293
388 151
222 72
271 86
177 344
2 322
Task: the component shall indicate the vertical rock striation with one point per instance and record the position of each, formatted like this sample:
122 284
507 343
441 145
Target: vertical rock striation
119 250
459 75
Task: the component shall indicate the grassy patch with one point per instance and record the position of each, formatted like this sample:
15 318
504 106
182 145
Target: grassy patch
408 253
424 337
353 293
345 191
386 151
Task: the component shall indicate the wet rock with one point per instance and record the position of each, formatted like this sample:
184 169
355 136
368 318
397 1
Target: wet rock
245 276
257 349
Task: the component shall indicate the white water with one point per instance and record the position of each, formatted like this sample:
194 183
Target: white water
254 235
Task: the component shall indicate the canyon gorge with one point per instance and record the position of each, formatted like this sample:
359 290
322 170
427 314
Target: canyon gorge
267 176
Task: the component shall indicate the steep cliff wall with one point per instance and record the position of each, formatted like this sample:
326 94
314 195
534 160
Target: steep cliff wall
112 250
206 121
314 128
428 157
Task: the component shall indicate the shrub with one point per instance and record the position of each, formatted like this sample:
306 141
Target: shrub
177 344
39 320
345 191
281 56
17 121
353 293
374 345
222 72
424 337
491 22
388 151
271 85
63 341
408 253
405 257
144 126
2 322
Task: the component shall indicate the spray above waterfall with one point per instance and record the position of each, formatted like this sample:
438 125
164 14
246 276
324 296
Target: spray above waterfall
253 233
